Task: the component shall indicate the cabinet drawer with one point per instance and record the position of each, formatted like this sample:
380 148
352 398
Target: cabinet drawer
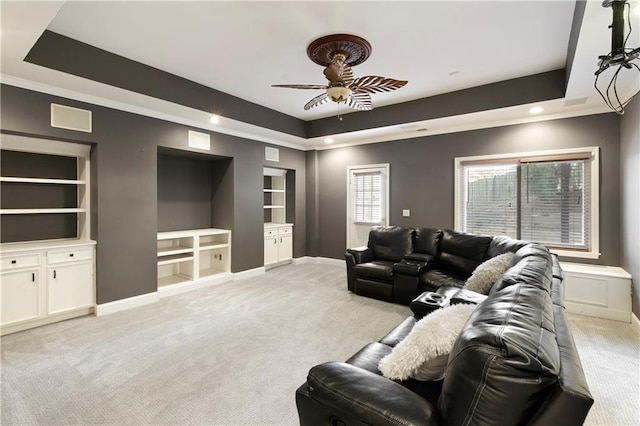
271 232
20 261
287 230
70 255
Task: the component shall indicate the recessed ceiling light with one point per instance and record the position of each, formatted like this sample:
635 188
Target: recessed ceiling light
328 140
536 110
214 119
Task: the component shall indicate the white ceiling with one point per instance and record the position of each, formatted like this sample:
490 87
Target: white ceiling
241 48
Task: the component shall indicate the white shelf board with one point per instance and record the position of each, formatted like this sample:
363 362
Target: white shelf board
168 251
213 246
210 272
178 258
42 180
274 207
173 280
42 211
279 191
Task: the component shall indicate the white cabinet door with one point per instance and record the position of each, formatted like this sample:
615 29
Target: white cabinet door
285 251
20 295
70 287
270 250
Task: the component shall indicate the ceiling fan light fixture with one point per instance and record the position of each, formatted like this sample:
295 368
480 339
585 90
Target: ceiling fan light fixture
338 93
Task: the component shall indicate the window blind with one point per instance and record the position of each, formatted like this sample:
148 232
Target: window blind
367 197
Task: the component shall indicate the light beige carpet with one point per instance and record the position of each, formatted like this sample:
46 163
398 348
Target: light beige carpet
234 354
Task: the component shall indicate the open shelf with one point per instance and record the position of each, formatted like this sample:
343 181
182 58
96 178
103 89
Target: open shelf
187 257
42 180
42 211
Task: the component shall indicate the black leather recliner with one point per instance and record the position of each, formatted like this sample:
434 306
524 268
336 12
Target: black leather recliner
370 269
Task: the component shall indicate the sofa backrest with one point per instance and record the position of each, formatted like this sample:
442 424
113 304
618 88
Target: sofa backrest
461 253
501 244
390 243
426 241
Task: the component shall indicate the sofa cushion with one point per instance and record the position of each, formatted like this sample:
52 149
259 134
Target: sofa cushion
505 359
423 354
461 253
390 243
487 273
435 278
534 266
378 269
426 241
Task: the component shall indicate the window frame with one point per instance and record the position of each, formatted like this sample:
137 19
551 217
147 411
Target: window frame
593 251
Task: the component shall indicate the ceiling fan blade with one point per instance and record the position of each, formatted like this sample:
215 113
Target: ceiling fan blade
318 100
300 86
360 101
376 84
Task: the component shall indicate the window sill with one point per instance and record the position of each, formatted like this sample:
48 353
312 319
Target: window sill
577 254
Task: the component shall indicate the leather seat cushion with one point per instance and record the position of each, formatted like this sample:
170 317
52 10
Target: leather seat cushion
378 269
436 278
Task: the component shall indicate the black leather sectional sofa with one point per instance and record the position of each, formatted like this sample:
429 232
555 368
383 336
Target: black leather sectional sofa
400 263
513 363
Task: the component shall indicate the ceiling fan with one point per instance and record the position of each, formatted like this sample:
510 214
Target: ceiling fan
338 53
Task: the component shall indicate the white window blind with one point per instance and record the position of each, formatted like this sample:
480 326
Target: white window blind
543 199
367 197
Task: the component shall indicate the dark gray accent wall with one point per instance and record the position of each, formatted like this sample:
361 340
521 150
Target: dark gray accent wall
517 91
422 174
313 224
124 187
65 54
630 197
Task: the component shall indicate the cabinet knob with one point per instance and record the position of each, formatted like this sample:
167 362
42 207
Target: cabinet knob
70 254
13 262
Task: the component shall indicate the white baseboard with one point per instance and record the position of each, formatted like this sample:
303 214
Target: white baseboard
128 303
318 260
170 290
249 273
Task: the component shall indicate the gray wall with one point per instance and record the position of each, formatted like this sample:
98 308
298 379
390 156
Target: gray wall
630 197
422 177
124 187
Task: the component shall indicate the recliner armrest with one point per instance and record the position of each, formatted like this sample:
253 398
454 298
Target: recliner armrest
361 254
410 267
467 296
368 397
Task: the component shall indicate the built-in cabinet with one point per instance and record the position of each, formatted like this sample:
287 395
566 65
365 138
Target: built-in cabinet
44 282
278 234
191 257
47 259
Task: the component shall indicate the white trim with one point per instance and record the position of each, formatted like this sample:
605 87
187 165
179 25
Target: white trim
44 146
249 273
635 322
318 261
594 252
128 303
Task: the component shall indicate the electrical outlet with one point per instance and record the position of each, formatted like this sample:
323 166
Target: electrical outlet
406 212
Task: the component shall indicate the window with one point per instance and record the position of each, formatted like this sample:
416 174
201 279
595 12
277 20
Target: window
548 197
367 197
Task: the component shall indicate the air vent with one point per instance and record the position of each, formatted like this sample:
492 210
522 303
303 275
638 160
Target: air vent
271 154
576 101
199 140
65 117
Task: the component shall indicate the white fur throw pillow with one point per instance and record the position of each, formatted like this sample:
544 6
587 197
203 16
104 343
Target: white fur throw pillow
487 273
423 354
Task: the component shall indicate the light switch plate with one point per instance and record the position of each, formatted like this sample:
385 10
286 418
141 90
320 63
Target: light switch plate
406 212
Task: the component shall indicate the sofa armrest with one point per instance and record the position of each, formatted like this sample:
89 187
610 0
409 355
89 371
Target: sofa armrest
467 296
410 267
361 254
420 257
354 256
368 397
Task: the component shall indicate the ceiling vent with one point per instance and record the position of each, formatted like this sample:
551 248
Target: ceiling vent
65 117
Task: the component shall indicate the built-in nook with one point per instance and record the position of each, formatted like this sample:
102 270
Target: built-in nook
279 214
195 217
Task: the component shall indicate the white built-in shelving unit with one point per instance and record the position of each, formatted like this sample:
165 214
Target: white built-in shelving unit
278 234
194 257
